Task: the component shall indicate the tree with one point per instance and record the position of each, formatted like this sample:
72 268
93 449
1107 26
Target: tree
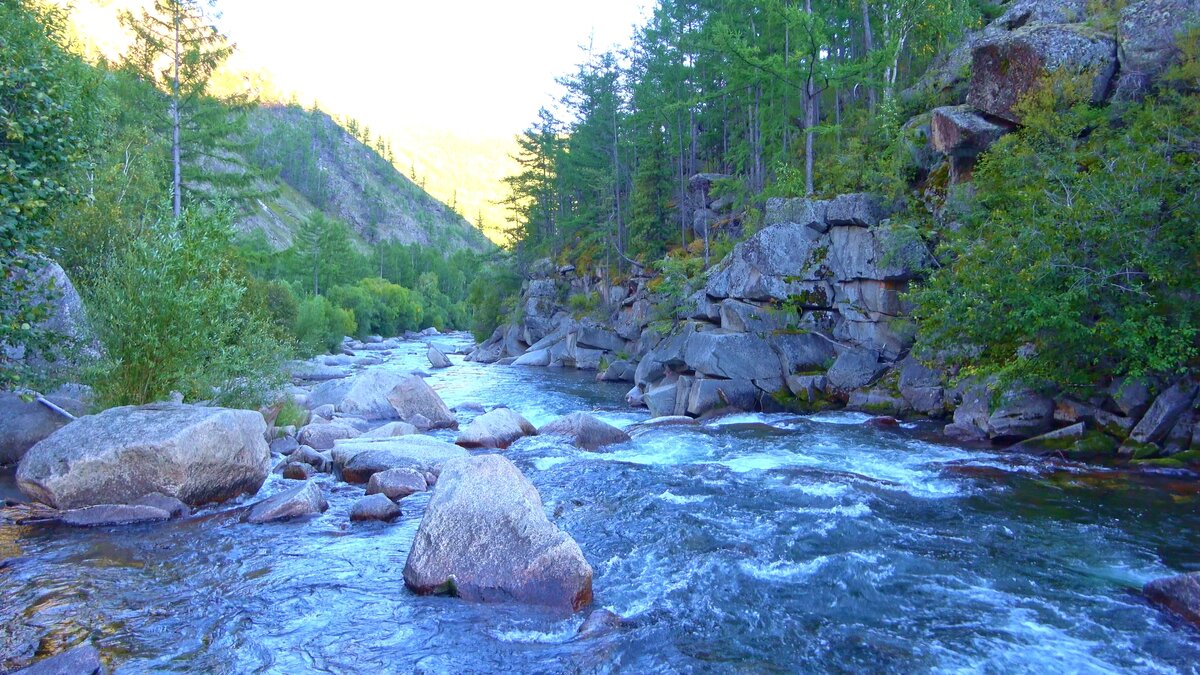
176 48
324 247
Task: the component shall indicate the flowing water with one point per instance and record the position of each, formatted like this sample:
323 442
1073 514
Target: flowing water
753 543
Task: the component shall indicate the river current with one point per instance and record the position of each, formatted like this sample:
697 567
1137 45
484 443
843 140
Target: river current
750 543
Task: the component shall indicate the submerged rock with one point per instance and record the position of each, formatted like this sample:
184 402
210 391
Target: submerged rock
302 500
485 537
374 507
1180 594
81 660
195 454
496 429
174 507
113 514
585 431
599 622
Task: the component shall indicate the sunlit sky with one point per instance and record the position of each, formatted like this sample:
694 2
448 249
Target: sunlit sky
481 68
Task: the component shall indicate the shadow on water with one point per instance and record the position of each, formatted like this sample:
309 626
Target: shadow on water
752 543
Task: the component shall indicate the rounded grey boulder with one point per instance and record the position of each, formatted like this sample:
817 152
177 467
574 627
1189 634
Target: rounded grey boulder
374 507
585 431
485 537
195 454
302 500
397 483
496 429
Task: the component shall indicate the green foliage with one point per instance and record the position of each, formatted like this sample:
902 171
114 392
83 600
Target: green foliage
379 307
584 304
172 315
1080 253
291 414
281 303
320 326
493 295
46 111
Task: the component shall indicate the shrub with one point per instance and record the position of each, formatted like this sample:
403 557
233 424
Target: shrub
320 326
173 315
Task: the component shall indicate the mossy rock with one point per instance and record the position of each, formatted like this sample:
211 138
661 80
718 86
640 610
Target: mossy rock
1141 450
1168 462
1188 456
1093 444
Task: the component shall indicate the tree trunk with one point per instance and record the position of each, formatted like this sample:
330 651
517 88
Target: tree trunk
869 45
175 161
810 115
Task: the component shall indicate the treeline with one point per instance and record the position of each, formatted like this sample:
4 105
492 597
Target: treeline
91 178
785 97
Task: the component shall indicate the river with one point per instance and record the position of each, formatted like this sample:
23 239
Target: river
753 543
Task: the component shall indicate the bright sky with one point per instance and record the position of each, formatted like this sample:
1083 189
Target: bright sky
472 66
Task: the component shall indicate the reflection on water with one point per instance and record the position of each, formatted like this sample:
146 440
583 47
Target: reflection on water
754 543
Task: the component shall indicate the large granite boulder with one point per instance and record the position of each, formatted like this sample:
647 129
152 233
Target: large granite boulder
496 429
1165 412
195 454
436 358
585 431
1149 32
365 395
359 459
962 134
1020 413
485 537
855 368
413 399
1006 66
397 483
24 423
732 356
323 436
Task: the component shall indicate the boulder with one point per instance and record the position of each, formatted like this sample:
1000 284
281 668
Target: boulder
803 352
358 459
309 456
485 538
325 412
27 422
323 436
1006 66
1131 396
618 371
412 396
854 368
297 471
1165 412
971 414
662 397
732 356
859 209
195 454
1149 32
284 446
599 622
496 429
45 284
707 394
769 265
585 431
538 357
1021 413
878 401
365 395
876 254
113 514
745 317
807 212
436 358
81 660
599 337
390 430
374 507
922 388
1051 441
173 507
961 133
397 483
1180 594
302 500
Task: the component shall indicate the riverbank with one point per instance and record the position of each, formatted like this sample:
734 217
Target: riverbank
788 541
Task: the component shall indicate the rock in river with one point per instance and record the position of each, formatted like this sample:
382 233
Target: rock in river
437 359
359 459
585 431
485 537
1180 594
195 454
113 514
413 398
374 507
496 429
82 660
302 500
397 483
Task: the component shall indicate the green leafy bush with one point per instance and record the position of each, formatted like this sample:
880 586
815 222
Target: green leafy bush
173 315
320 326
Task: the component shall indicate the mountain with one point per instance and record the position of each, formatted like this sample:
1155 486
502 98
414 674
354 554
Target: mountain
311 163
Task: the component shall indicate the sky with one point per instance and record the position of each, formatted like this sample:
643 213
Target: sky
482 68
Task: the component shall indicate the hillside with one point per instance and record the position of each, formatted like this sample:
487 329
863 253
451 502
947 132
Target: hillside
312 164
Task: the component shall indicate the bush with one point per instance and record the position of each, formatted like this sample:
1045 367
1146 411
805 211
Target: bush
320 326
282 304
173 316
493 296
1080 256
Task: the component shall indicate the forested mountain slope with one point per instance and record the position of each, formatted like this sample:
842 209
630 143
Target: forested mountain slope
311 163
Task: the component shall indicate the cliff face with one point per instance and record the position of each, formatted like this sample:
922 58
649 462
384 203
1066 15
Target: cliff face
808 313
313 164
